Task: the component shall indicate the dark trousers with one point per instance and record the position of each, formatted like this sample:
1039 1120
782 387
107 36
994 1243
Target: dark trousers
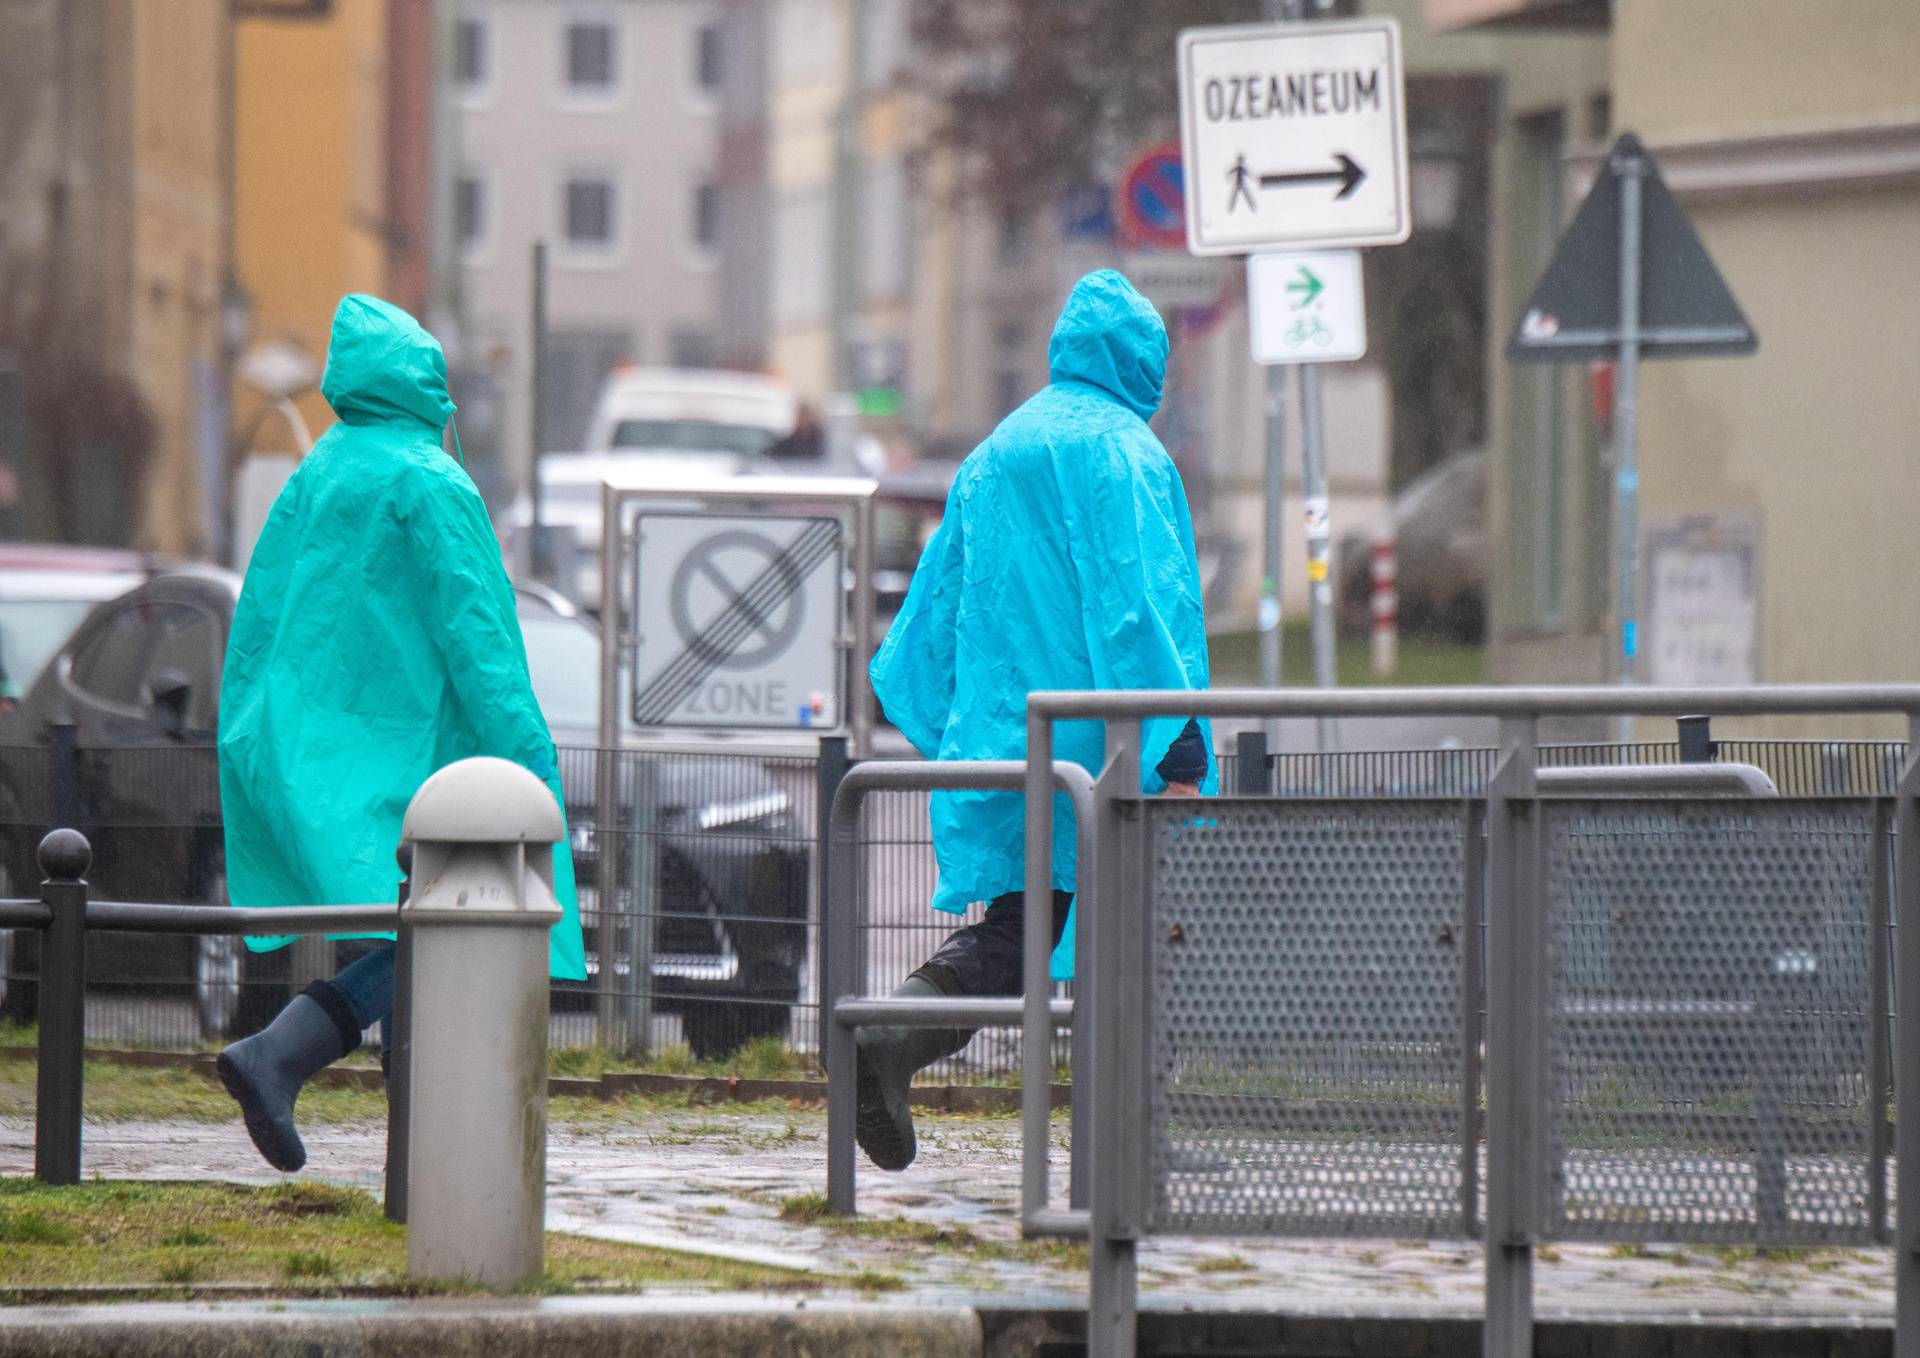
984 958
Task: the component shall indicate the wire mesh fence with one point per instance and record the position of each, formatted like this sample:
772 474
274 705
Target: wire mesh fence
710 937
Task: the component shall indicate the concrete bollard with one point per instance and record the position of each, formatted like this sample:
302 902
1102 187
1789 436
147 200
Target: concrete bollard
482 902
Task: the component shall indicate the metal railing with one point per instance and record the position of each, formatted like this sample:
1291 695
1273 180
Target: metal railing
1687 1031
64 917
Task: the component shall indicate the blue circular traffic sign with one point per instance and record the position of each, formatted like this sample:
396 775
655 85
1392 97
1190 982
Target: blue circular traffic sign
1153 201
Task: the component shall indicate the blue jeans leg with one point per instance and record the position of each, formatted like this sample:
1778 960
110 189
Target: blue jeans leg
366 984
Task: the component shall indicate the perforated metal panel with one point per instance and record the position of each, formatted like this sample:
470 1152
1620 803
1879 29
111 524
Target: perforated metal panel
1307 976
1708 1030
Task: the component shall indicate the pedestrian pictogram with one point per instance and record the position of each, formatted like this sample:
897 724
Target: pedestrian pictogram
737 621
1293 135
1307 308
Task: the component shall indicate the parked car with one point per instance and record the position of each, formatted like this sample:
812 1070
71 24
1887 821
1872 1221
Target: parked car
1440 536
728 864
45 592
140 680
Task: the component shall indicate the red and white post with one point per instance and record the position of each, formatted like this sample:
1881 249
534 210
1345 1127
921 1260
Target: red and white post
1386 607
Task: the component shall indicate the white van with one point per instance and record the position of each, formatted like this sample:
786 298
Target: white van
681 410
677 424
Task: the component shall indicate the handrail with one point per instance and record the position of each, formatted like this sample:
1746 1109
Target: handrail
24 915
1591 700
1655 780
841 1012
140 917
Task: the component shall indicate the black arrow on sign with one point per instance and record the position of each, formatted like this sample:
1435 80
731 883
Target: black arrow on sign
1349 176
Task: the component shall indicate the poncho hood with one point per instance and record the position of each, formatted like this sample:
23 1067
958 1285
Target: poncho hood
1110 337
382 367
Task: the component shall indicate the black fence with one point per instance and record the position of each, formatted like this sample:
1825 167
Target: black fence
709 939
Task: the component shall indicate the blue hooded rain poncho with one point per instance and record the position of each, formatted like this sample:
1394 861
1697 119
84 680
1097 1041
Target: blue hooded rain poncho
375 642
1065 560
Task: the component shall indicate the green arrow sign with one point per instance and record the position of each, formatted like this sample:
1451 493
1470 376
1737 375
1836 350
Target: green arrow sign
1308 283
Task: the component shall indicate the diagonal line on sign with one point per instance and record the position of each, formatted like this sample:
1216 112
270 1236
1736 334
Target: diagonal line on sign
726 587
705 652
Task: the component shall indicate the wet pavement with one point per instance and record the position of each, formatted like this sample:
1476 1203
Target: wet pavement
714 1179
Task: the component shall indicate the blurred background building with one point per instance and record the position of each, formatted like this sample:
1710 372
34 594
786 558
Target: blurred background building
889 199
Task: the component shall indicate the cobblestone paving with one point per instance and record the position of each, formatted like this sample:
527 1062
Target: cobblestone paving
715 1179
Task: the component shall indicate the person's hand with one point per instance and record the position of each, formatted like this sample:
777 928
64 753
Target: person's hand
1182 790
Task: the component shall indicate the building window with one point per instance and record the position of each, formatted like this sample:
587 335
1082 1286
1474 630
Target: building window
1008 391
1015 230
589 212
470 212
707 71
592 58
470 54
706 216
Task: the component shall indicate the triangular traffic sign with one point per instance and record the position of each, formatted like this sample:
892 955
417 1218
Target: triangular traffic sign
1686 308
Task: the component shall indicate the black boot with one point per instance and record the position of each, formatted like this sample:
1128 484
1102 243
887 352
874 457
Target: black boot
264 1072
889 1059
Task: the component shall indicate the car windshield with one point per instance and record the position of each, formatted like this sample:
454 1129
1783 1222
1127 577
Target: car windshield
563 660
701 436
31 630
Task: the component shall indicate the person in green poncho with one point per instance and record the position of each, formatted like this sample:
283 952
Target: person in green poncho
375 642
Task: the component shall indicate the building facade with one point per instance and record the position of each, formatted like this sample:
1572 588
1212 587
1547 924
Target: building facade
594 127
1792 140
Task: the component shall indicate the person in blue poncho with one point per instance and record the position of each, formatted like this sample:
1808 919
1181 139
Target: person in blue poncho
1065 560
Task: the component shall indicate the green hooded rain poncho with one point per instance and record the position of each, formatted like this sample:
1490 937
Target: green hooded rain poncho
1065 560
375 642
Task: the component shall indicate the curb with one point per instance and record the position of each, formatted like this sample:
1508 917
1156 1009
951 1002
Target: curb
563 1327
695 1088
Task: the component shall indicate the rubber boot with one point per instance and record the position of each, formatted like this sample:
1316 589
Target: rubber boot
889 1059
264 1072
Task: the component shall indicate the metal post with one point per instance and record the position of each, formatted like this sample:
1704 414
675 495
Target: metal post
1112 1306
65 857
1276 492
606 810
1250 777
540 560
839 940
1769 1100
1906 1065
830 768
849 125
1515 1025
1313 489
399 1124
642 920
859 685
1696 739
1036 1033
1631 170
63 774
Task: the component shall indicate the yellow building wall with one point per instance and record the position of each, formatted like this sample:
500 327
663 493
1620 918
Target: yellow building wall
1688 69
309 182
176 55
1815 432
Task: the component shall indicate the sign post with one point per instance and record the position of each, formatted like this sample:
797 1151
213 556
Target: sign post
1294 137
1629 279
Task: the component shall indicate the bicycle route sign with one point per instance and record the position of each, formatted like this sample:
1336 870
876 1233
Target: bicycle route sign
1306 307
1293 136
737 622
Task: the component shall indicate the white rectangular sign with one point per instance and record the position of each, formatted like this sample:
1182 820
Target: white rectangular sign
1293 135
1306 307
737 621
1173 281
